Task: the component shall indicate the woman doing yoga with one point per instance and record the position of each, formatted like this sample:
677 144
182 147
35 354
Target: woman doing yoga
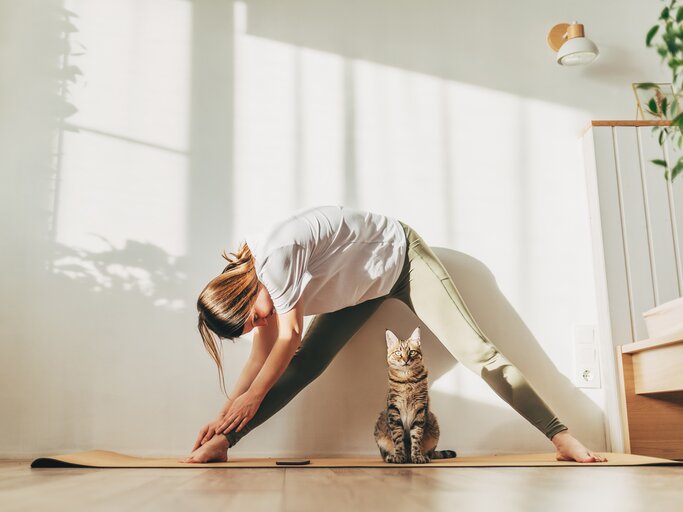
339 264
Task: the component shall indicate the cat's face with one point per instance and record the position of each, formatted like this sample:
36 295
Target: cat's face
402 354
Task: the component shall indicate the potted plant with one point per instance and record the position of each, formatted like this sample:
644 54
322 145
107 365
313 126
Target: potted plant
667 38
665 321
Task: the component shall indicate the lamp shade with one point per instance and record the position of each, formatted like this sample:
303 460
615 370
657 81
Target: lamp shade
577 51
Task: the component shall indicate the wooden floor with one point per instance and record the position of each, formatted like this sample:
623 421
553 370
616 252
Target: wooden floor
552 489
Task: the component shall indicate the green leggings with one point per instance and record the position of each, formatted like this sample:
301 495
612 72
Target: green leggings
426 288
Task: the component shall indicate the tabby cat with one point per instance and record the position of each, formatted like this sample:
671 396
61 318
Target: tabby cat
407 431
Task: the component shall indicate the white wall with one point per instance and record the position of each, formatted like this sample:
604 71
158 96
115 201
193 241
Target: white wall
139 138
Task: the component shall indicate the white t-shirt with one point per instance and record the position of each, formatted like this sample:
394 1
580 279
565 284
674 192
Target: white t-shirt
332 256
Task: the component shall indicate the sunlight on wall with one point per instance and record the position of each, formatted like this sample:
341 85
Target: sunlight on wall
489 173
123 171
461 381
289 128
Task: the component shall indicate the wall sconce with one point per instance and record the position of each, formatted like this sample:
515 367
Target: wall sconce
572 47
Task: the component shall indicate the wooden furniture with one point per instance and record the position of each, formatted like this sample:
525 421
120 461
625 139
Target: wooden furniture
636 221
651 375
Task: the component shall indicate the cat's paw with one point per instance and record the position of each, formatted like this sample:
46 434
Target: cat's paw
396 459
420 459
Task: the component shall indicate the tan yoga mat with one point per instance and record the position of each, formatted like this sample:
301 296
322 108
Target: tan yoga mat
104 459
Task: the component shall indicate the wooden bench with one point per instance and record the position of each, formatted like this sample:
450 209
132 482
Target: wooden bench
651 374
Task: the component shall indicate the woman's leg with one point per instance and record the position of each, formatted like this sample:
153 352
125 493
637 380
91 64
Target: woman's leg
430 292
325 337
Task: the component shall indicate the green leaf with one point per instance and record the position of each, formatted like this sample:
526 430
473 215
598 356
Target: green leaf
669 27
678 121
662 51
666 175
652 105
665 14
659 162
646 85
679 15
676 172
670 44
661 138
665 106
677 168
651 33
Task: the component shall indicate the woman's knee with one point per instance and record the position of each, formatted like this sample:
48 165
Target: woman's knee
482 355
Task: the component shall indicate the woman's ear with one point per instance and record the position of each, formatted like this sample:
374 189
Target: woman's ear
392 339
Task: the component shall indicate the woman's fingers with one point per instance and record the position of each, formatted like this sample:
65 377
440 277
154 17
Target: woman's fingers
231 423
223 426
209 434
244 422
202 433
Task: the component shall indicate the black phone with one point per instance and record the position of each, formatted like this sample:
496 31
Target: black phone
292 462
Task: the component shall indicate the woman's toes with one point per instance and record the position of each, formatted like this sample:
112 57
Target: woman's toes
592 457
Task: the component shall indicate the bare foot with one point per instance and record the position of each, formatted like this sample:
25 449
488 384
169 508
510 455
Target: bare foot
214 450
569 448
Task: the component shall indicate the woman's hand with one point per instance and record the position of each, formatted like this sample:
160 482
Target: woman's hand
242 410
209 430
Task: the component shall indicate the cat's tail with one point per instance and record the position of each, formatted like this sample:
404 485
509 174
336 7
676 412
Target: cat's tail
443 454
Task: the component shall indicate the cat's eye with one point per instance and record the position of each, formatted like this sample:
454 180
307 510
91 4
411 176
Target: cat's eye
413 353
397 353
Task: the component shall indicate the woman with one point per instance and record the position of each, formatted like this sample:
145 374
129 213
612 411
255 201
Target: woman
339 264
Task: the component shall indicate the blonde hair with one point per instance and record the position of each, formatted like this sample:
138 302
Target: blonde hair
224 304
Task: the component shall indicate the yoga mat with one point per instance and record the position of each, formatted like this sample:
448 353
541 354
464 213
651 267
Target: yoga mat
104 459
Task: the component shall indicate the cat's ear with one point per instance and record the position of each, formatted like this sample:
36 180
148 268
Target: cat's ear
415 337
392 339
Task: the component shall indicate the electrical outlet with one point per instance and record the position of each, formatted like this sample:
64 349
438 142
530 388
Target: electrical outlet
586 361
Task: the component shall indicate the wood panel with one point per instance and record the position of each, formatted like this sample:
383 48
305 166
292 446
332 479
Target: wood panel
675 190
653 424
627 122
615 437
609 222
659 219
659 370
636 234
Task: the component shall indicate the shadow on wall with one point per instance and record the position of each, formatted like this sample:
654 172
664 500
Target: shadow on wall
101 340
106 356
498 45
104 345
512 337
344 402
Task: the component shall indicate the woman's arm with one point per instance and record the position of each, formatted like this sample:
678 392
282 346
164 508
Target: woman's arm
262 344
243 408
